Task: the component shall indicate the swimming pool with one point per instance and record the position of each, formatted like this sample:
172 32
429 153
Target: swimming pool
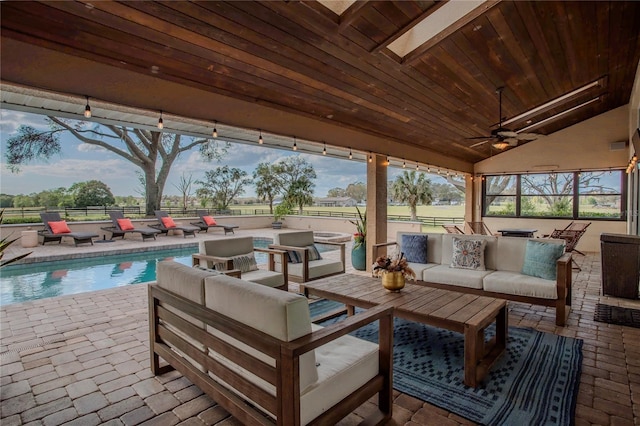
21 283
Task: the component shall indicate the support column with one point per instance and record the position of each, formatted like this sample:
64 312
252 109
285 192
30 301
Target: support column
376 204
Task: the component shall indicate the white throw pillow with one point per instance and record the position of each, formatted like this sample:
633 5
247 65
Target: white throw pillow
468 254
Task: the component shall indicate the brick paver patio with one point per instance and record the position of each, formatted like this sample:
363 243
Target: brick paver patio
83 360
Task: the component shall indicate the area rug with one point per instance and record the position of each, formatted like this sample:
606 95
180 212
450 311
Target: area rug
617 315
534 382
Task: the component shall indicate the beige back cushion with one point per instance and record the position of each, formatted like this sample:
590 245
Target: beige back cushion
434 245
297 239
490 251
512 250
227 247
277 313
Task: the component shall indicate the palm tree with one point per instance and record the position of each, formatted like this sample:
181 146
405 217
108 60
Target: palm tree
412 188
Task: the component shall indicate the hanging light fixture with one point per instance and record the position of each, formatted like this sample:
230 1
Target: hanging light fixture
215 130
260 140
295 145
324 149
350 154
160 122
87 109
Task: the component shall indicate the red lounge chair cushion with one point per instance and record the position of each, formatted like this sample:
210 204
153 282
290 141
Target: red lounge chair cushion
125 224
168 222
59 227
209 220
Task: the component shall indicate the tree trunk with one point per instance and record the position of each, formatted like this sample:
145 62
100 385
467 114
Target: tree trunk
414 214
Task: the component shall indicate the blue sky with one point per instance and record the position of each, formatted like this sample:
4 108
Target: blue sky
81 162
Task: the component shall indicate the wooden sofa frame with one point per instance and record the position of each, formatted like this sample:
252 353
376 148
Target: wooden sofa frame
285 405
562 302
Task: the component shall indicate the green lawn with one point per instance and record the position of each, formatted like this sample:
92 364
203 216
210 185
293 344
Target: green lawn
429 211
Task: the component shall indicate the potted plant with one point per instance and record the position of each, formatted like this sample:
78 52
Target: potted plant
359 250
279 213
393 270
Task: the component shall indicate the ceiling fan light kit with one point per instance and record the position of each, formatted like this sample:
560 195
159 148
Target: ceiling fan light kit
501 137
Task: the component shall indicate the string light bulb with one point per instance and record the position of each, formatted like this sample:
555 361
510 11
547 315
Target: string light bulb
295 145
417 167
260 140
160 122
87 109
215 130
370 157
324 148
404 163
350 154
388 161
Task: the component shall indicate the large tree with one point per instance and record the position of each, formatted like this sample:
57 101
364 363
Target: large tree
154 152
296 177
222 185
412 188
91 193
267 183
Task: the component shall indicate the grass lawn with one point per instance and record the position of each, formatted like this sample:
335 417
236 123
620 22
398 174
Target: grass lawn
428 211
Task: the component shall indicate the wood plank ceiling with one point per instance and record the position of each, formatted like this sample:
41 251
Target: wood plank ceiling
299 56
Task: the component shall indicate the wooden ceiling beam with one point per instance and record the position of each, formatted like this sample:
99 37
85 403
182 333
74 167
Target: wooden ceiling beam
351 14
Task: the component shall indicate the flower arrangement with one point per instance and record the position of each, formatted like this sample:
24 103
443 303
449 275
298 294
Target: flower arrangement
396 263
360 237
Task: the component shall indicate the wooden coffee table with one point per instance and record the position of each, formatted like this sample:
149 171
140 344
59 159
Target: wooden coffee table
463 313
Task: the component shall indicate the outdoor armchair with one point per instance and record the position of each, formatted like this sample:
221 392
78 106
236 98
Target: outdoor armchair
55 228
238 253
304 261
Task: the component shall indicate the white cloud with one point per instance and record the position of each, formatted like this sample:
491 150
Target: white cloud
11 120
86 147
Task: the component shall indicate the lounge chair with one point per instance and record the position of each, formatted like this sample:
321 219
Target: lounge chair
206 221
55 228
571 234
166 224
453 229
479 228
122 226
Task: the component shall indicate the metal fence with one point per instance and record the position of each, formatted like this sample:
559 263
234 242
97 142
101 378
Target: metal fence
78 213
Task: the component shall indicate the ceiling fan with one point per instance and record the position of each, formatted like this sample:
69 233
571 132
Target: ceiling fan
501 137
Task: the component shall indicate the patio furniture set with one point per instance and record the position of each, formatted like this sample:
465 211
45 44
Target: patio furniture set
210 325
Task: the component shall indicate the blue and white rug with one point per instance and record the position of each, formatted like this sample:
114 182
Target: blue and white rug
535 382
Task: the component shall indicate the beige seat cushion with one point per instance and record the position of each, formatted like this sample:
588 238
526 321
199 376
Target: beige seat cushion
444 274
317 268
265 277
520 285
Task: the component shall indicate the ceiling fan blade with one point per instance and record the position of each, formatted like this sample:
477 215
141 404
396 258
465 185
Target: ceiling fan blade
479 143
507 134
528 136
512 141
480 137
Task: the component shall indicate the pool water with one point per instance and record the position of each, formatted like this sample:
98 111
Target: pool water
21 283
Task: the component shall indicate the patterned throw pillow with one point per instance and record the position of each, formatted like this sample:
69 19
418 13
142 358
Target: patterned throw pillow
59 227
314 254
468 254
540 259
125 224
297 256
414 248
245 262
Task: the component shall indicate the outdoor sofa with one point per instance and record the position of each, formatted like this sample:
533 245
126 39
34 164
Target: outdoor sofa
535 271
254 350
